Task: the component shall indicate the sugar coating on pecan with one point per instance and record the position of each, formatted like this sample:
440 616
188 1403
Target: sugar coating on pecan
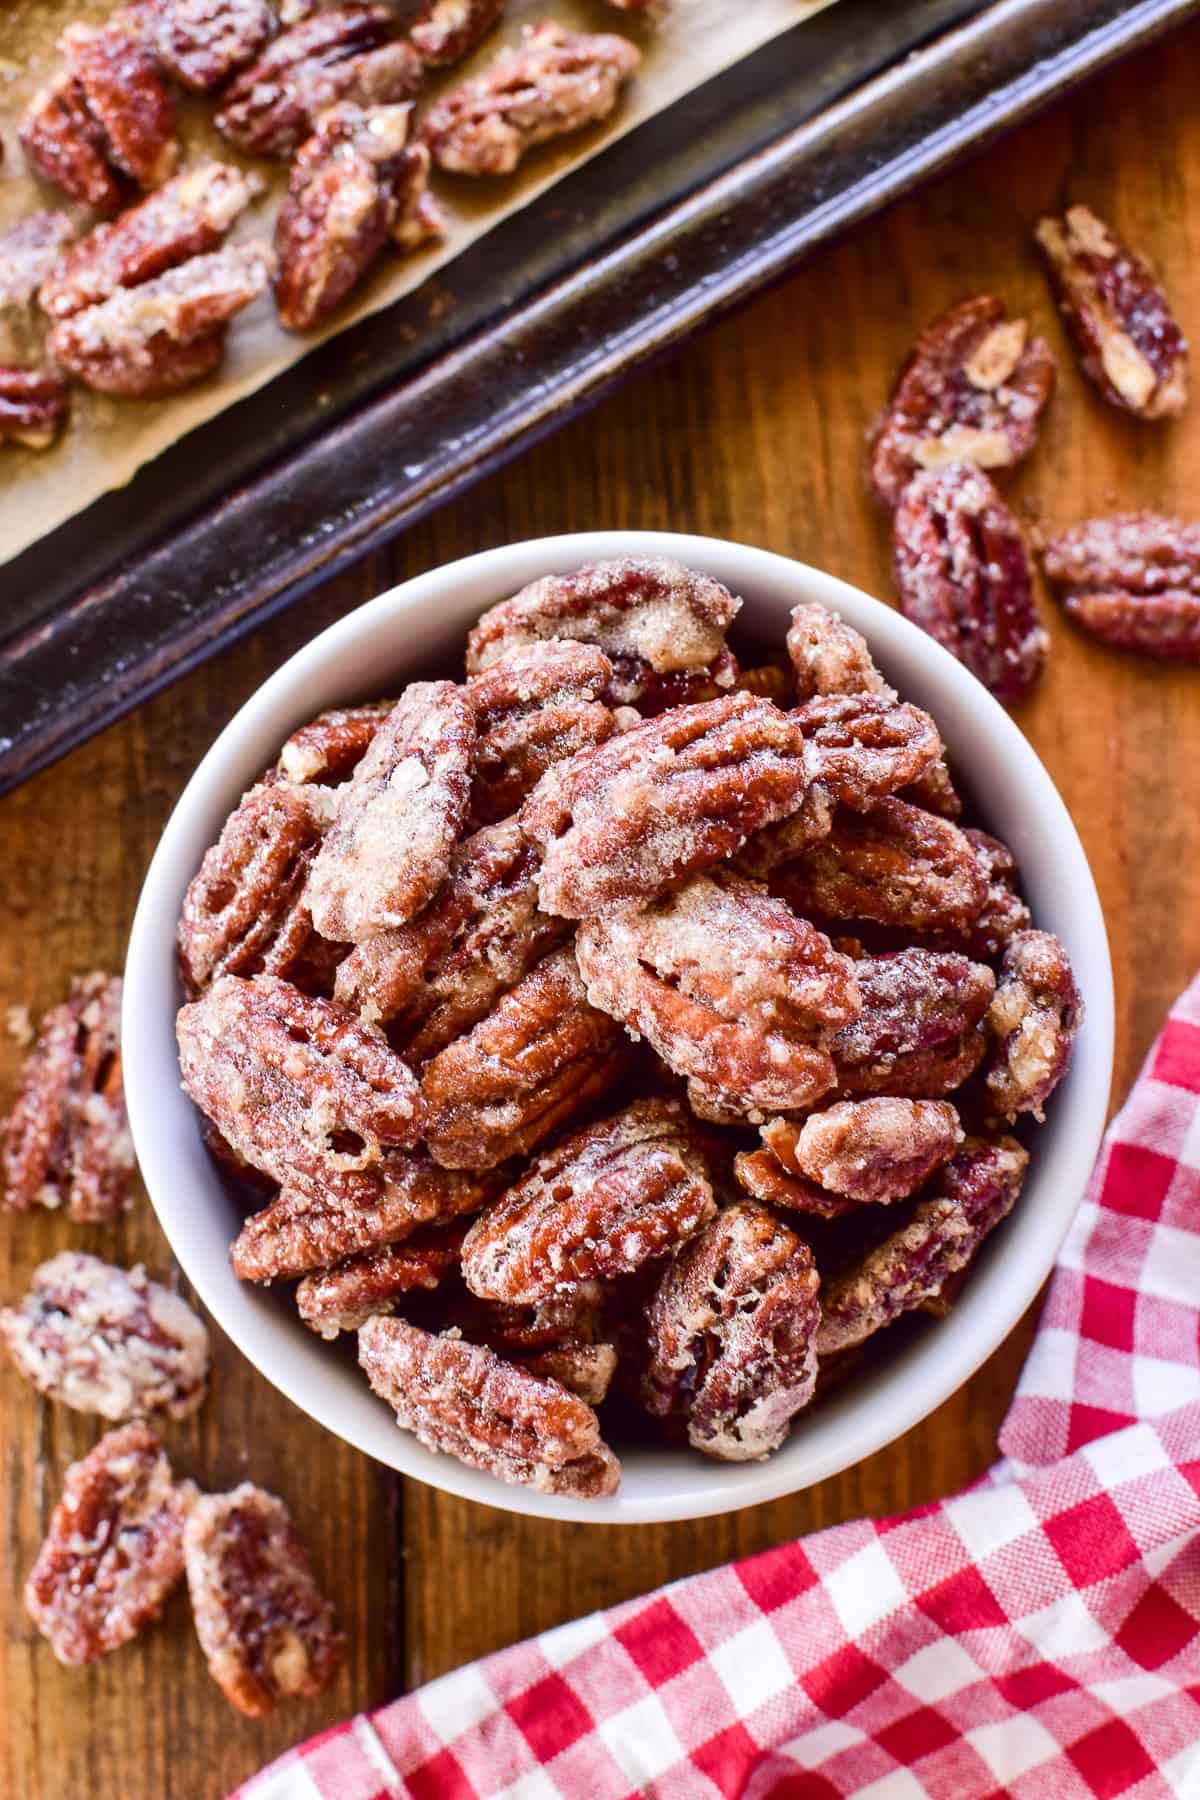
733 1331
264 1626
537 706
67 1142
876 1150
608 1198
963 575
621 822
33 406
538 1057
463 1400
107 1340
555 81
1003 911
1033 1022
114 1551
564 1337
975 1190
346 1296
917 1033
330 747
893 864
398 817
1128 340
656 621
830 657
482 932
204 42
769 1175
972 391
444 31
764 850
1133 581
28 251
862 747
732 990
242 913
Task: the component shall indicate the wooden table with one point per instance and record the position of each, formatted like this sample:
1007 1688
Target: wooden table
753 431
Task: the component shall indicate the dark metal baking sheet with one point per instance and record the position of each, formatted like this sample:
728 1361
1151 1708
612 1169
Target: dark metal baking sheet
683 218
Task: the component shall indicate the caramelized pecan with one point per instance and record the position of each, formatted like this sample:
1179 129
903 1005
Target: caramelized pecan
830 657
1128 341
555 81
28 251
917 1033
204 42
33 406
263 1624
893 864
731 989
674 794
536 707
1033 1021
768 681
444 31
559 1338
963 576
862 747
876 1150
1133 581
345 1297
1003 912
330 747
972 391
769 1175
733 1331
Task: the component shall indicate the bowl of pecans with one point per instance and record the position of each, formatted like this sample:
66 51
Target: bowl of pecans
644 1063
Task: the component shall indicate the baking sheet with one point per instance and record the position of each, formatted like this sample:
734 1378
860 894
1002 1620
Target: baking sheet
108 440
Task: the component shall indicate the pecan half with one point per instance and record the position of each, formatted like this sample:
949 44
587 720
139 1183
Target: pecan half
536 707
345 1297
67 1139
976 1189
1033 1021
398 817
107 1340
555 81
33 406
538 1057
1003 912
862 747
917 1033
619 823
28 251
560 1338
264 1626
482 932
114 1551
733 1331
330 747
204 42
830 657
465 1401
340 54
1133 581
769 1175
605 1200
1128 340
444 31
876 1150
963 575
242 913
661 626
108 116
167 333
732 990
972 391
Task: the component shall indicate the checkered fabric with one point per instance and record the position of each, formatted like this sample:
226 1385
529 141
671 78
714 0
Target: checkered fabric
1037 1636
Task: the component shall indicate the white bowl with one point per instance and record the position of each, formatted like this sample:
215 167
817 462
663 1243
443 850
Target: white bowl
414 627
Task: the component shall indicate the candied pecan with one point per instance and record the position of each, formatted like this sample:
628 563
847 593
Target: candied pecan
204 42
733 1335
561 1337
622 821
349 185
534 1061
731 989
863 747
315 1227
28 251
166 333
465 1401
536 707
264 1626
114 1551
876 1150
33 406
555 81
300 1089
830 657
340 54
187 217
67 1138
345 1297
1128 340
768 681
767 1175
444 31
1033 1021
330 747
657 622
972 391
1133 581
963 576
107 1340
398 817
779 843
1004 911
917 1033
482 932
975 1190
109 115
893 864
602 1202
228 1159
242 913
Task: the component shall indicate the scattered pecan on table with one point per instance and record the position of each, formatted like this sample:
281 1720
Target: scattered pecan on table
1133 581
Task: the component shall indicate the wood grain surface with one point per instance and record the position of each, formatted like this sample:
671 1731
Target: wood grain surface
753 431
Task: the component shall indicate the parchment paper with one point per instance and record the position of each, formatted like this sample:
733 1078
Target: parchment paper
108 440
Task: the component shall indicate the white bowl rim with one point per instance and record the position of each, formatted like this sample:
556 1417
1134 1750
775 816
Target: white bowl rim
853 1425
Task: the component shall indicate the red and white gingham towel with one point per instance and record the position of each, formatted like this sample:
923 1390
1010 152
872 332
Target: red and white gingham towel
1037 1636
